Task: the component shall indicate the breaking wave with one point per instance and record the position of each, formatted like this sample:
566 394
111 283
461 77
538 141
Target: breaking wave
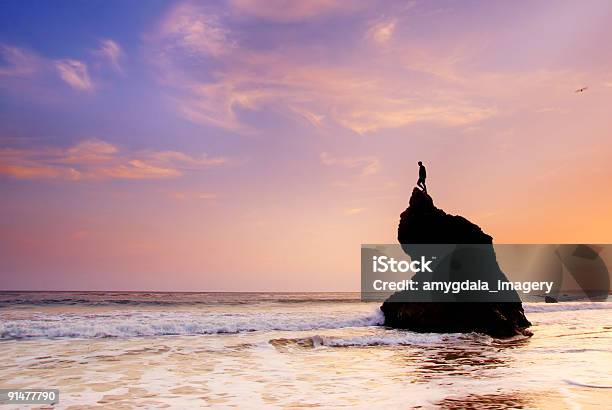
20 322
139 324
564 306
391 338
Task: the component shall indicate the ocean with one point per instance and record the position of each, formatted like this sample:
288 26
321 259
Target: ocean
292 350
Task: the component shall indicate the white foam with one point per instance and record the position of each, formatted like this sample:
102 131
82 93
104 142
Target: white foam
16 324
562 306
138 324
401 338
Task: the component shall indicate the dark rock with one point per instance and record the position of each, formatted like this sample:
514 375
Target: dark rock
423 223
550 299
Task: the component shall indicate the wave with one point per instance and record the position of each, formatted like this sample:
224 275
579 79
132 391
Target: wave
91 323
132 302
528 307
589 385
404 338
114 302
176 323
167 299
564 306
392 338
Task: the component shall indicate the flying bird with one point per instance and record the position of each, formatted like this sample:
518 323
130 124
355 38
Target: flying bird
580 90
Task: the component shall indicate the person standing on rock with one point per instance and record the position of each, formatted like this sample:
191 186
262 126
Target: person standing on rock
422 176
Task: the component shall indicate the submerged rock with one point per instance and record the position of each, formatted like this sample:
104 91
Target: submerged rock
423 223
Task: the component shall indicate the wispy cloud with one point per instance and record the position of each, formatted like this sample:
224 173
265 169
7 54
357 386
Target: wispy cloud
75 74
316 120
354 211
97 159
368 165
18 61
547 110
290 10
215 77
193 29
382 31
112 52
398 114
216 103
199 196
40 72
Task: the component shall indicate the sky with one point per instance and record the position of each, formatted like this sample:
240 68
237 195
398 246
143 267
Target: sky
253 145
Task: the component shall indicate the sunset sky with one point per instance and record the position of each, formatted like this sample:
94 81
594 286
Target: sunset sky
255 144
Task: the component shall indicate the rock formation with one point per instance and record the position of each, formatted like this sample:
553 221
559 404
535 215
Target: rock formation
423 223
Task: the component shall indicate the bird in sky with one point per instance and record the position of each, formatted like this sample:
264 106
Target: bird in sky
580 90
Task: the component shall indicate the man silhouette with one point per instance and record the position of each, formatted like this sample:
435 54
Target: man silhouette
422 176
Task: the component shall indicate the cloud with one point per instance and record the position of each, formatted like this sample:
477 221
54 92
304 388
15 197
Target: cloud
285 11
111 51
215 79
547 109
97 159
381 32
75 74
368 165
18 61
41 72
185 161
216 103
316 120
354 211
201 196
191 28
361 102
400 113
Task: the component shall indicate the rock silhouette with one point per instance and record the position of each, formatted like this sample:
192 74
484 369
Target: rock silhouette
423 223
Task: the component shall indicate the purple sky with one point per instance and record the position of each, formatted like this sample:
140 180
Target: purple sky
254 145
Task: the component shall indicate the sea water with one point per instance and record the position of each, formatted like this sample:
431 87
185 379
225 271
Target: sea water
328 350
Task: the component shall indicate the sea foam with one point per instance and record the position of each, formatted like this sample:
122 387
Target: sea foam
17 324
139 324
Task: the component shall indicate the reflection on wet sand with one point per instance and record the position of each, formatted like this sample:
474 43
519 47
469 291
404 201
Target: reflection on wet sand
471 355
455 361
515 400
